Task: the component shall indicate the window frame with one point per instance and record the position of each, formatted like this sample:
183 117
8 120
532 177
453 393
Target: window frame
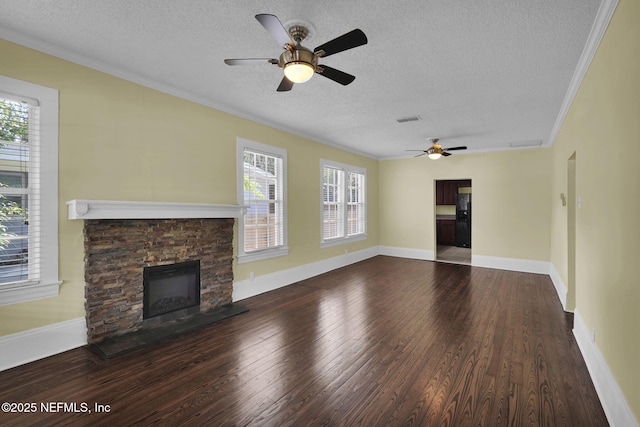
267 253
345 169
48 283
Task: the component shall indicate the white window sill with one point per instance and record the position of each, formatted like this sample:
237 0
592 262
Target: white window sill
13 293
342 240
263 254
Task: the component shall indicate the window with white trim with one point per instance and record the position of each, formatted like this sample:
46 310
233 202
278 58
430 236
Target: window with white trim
28 191
262 189
343 203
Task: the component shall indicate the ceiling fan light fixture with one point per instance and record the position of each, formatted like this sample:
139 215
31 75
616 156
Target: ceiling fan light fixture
299 71
434 153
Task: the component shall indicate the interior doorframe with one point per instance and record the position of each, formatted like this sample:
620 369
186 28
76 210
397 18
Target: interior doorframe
435 215
570 304
435 219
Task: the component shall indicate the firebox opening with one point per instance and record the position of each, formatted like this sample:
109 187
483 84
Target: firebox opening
171 288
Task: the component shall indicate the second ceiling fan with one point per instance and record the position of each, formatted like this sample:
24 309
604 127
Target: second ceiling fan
298 62
436 150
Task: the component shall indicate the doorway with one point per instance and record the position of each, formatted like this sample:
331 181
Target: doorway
453 220
571 233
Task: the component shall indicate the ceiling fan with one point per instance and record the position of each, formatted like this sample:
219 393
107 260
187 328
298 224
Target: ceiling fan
436 150
298 62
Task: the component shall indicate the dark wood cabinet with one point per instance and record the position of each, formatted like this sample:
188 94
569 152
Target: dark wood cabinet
446 232
450 192
446 191
439 193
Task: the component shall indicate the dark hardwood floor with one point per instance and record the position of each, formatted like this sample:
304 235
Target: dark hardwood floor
387 341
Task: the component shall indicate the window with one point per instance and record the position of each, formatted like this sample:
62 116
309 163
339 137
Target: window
343 203
28 191
262 188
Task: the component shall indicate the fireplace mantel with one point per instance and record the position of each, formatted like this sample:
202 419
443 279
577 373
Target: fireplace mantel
111 209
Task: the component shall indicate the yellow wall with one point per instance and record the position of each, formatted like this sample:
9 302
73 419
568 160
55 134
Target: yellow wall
511 201
603 129
122 141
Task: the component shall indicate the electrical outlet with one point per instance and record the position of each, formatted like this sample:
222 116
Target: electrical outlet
346 251
252 276
593 335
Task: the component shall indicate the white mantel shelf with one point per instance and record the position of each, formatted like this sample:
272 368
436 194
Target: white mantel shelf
111 209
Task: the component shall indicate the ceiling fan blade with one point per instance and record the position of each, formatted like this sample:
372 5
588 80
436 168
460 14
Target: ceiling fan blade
462 147
444 153
420 155
272 24
335 75
346 41
285 85
250 61
424 151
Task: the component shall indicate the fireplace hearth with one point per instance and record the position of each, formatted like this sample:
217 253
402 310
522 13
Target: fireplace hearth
151 334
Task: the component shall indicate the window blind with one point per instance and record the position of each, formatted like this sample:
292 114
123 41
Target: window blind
343 203
263 194
355 204
19 190
333 201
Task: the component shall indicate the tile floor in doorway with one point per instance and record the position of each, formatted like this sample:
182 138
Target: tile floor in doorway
453 254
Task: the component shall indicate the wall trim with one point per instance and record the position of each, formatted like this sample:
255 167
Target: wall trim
269 282
599 27
512 264
112 209
27 291
558 283
27 346
611 397
424 254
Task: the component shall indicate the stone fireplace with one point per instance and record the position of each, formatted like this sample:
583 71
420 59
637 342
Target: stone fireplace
118 250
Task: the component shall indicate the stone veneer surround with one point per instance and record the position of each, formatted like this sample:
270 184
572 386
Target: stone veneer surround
116 252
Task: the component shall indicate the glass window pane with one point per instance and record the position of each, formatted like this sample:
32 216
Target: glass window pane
14 164
263 196
14 238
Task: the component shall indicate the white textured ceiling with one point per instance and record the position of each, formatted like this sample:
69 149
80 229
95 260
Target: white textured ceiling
485 74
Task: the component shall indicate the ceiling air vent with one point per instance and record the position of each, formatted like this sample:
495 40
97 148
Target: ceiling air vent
527 143
409 119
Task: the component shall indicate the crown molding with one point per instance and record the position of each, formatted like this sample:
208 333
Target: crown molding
603 17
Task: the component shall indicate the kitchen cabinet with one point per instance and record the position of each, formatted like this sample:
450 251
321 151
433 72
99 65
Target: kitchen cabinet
439 193
446 191
446 232
450 190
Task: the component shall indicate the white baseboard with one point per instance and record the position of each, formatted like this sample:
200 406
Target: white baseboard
561 288
24 347
613 401
269 282
512 264
424 254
